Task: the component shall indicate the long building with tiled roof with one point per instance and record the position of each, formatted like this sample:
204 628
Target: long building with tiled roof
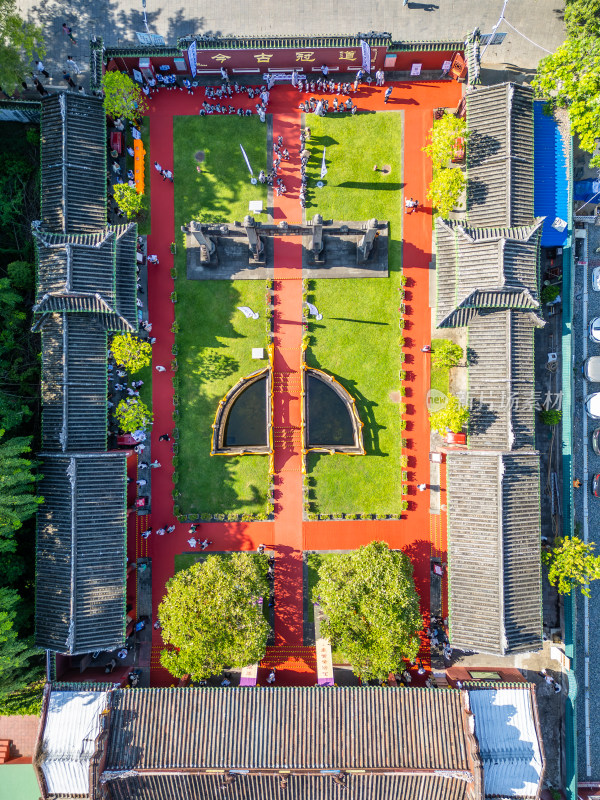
487 272
86 288
298 743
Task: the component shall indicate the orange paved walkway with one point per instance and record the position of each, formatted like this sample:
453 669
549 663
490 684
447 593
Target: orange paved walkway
416 534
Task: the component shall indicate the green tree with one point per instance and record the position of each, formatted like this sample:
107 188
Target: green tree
131 352
442 139
123 97
128 199
445 189
19 40
446 354
570 79
211 616
453 417
550 416
572 563
582 16
371 609
133 415
19 659
17 486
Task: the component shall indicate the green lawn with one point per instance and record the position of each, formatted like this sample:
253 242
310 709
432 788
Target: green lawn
439 377
214 340
357 340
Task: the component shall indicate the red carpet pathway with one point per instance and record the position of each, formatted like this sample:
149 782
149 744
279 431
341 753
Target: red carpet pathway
288 535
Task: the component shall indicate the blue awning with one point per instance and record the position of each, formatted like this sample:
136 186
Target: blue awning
551 188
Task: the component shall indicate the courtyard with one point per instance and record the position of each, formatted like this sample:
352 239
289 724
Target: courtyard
369 340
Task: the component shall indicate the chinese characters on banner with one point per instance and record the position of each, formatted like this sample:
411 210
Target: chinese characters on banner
193 58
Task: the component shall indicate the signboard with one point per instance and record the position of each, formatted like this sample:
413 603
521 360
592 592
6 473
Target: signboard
137 75
366 55
193 58
249 675
151 39
559 224
416 69
135 133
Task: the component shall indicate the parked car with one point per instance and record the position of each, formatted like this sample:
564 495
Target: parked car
595 330
592 405
591 369
596 486
596 441
596 279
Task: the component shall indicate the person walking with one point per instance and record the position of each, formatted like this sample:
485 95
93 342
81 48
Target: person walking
271 678
192 542
69 32
380 77
38 85
40 68
66 77
159 368
387 94
72 65
164 438
158 167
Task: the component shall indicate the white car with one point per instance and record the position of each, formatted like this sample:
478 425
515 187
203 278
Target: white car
595 330
592 405
596 279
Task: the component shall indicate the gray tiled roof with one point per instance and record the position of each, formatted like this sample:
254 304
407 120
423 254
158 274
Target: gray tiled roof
88 273
500 155
370 786
74 383
501 380
494 551
73 145
302 728
484 268
80 572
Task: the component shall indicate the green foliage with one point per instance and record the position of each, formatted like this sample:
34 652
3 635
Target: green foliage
550 293
572 563
442 139
445 189
446 354
570 79
582 17
133 415
211 616
19 659
23 702
19 40
131 352
371 609
453 417
550 416
17 485
128 199
123 97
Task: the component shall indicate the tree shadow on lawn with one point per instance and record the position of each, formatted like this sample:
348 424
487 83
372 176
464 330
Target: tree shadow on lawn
207 484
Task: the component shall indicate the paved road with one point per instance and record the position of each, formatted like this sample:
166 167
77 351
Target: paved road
587 515
539 20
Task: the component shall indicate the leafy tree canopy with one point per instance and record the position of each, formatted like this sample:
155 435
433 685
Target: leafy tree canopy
442 139
572 563
570 77
19 659
446 354
17 486
133 415
19 40
211 617
371 609
131 352
453 417
123 97
128 199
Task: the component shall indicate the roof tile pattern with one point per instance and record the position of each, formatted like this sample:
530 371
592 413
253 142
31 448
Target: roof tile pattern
494 551
73 163
500 155
370 728
80 586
